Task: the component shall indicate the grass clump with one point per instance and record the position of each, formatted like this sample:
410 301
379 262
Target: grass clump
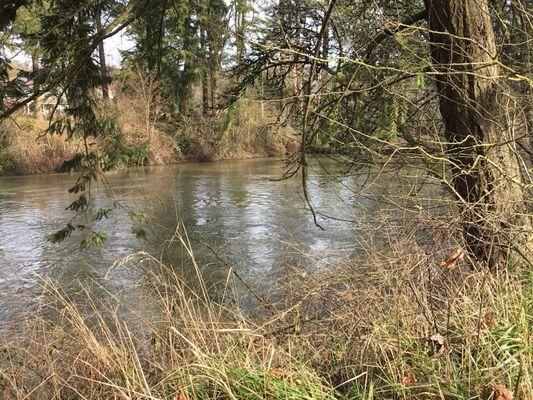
409 327
394 324
25 150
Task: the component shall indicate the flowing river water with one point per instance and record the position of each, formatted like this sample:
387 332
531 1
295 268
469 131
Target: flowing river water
254 222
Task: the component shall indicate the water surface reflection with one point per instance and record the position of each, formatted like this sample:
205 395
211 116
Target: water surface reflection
256 224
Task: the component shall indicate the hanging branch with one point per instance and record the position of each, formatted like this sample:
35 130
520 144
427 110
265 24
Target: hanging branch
308 106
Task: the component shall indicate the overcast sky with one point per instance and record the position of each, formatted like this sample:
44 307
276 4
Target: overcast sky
112 45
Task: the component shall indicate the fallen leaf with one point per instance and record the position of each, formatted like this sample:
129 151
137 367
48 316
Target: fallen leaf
280 373
440 342
438 338
451 262
501 392
522 395
409 353
408 379
489 320
180 396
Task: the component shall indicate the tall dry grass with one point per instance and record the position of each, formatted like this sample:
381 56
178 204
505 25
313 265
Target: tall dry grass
246 129
396 323
404 325
249 130
141 128
24 149
146 132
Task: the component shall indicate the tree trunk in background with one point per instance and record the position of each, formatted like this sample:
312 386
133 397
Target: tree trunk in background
325 42
188 66
526 57
205 77
240 22
475 106
214 75
37 110
101 55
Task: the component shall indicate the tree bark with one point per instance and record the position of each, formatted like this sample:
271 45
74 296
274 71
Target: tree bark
476 108
205 78
240 22
188 66
101 55
37 111
214 75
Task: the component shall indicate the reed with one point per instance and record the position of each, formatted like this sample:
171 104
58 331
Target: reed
24 149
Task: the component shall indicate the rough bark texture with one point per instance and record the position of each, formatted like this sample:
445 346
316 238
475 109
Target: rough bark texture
475 107
101 56
37 111
205 79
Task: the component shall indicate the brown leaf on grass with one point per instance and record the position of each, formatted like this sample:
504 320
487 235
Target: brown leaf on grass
180 396
489 320
522 395
451 262
280 373
408 379
501 392
438 338
440 342
409 353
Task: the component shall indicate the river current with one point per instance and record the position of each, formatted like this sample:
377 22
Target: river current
255 223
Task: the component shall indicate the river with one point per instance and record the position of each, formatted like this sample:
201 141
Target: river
254 222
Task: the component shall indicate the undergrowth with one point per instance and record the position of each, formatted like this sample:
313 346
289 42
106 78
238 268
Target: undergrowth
397 323
24 149
141 136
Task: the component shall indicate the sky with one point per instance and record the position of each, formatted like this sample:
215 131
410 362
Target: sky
113 46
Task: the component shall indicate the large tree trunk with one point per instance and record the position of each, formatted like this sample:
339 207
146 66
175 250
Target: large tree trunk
476 108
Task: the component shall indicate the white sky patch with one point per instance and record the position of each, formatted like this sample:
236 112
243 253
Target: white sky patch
114 45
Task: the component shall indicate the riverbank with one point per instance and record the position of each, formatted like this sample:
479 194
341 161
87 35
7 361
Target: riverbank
249 131
400 323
